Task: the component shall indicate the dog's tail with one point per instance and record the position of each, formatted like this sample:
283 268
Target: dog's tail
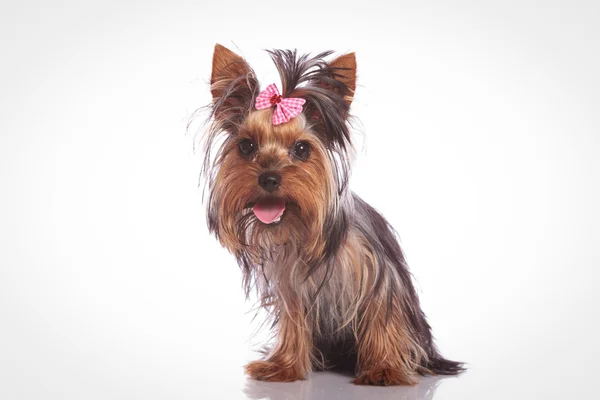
438 365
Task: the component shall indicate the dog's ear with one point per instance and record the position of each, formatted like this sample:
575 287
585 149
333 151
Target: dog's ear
329 98
226 67
344 69
233 84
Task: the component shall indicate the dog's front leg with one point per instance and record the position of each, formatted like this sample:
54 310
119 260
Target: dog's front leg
290 359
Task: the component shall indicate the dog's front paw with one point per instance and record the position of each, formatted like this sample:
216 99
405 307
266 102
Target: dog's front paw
384 377
272 372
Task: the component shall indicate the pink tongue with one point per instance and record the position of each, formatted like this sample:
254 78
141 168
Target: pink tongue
269 210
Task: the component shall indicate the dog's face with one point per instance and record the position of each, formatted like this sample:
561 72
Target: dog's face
275 183
272 185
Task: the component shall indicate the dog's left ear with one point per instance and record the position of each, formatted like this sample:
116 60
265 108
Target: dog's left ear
233 85
344 69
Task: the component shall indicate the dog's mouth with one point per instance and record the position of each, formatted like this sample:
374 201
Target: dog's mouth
269 210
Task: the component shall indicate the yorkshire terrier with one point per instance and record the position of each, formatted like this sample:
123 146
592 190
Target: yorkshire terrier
325 264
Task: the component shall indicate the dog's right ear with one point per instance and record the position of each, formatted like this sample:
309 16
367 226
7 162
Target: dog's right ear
233 85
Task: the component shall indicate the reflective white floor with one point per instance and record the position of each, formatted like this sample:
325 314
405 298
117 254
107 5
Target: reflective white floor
331 386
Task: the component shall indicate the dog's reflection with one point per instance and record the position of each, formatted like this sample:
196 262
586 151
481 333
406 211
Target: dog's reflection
334 386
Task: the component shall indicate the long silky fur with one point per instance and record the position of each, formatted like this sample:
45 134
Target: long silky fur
314 80
339 282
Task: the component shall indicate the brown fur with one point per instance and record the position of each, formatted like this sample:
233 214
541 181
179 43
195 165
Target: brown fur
331 273
290 359
238 175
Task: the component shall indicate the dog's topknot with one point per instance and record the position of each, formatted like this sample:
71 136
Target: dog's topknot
327 87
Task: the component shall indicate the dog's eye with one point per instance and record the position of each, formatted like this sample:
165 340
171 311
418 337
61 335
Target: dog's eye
247 147
301 150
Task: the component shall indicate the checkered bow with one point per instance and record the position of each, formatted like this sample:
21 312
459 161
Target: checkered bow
285 108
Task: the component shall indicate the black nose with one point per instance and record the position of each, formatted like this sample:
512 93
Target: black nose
269 181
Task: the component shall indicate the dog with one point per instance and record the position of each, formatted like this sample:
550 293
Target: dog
326 265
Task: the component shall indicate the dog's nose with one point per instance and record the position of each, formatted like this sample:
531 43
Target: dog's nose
269 181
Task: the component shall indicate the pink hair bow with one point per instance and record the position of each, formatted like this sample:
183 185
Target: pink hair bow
285 108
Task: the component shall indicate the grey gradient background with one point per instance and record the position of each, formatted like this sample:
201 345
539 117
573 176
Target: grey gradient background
482 134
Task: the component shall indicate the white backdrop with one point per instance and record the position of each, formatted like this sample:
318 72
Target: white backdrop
110 286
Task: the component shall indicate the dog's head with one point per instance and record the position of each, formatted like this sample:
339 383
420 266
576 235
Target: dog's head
275 184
